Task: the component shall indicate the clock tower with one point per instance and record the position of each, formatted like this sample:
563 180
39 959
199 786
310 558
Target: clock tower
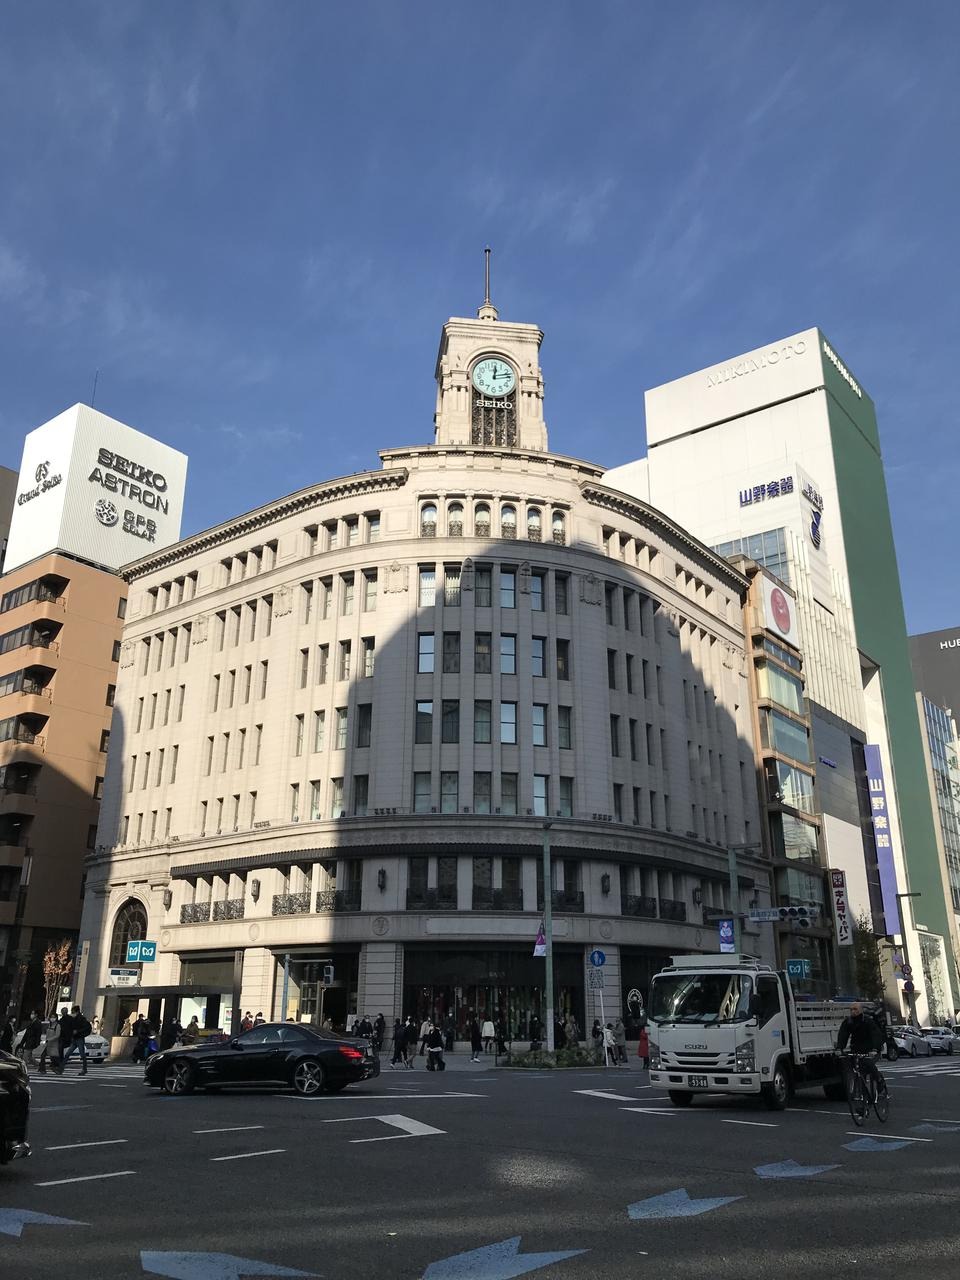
489 382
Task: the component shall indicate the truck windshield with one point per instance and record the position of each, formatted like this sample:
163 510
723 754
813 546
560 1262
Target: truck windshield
701 997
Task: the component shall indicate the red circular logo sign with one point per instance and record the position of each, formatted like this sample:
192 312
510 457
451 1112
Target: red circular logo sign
781 610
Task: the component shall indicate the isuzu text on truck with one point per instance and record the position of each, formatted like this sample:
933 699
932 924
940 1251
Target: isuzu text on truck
728 1024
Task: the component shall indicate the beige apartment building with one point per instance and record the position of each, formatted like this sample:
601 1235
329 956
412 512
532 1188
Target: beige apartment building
60 624
347 721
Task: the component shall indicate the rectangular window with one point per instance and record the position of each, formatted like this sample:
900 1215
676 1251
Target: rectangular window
481 721
235 807
561 593
541 791
153 703
245 682
316 800
336 797
369 590
266 610
346 594
565 798
122 607
364 723
340 741
353 531
482 792
508 588
779 733
294 801
160 756
319 726
633 740
538 656
482 650
361 794
167 693
421 793
331 535
508 655
326 598
139 723
483 588
427 593
451 652
323 660
306 601
111 694
423 728
565 728
146 772
174 761
618 802
563 659
451 585
611 668
343 665
304 667
373 527
132 781
629 658
257 742
614 735
777 686
450 721
253 807
298 735
539 724
609 597
241 747
369 649
116 651
105 740
508 722
264 671
538 581
425 652
225 753
98 789
449 792
508 793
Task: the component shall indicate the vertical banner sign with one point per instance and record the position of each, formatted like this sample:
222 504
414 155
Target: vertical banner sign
725 929
841 914
540 946
881 836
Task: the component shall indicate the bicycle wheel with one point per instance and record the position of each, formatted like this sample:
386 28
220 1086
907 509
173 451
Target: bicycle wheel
856 1099
881 1101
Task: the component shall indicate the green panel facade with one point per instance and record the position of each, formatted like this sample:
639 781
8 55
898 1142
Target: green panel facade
881 625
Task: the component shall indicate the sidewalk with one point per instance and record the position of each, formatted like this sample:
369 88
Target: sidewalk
490 1062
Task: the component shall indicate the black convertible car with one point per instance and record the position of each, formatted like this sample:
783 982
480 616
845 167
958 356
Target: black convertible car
303 1058
14 1108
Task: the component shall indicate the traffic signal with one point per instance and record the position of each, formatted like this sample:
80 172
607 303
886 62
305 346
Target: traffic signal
802 916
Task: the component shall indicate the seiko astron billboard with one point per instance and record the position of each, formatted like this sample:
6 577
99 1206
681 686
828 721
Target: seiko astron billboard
96 489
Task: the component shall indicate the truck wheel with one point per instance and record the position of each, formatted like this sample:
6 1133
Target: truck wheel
680 1097
835 1092
776 1093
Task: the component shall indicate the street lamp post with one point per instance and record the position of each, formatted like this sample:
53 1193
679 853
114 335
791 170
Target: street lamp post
548 933
911 1007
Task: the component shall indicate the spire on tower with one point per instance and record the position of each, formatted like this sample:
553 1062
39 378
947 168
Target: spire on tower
487 311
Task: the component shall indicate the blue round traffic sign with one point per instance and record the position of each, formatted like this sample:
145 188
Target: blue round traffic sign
597 958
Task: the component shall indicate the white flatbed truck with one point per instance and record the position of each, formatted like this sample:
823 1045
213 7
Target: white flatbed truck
729 1024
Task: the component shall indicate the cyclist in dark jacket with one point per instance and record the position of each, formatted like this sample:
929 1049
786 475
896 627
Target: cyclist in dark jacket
864 1037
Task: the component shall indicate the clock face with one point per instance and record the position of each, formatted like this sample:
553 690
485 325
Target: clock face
494 377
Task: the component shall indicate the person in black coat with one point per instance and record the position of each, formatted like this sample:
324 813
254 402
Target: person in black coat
476 1039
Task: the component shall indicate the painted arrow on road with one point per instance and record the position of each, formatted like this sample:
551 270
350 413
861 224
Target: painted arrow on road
877 1144
494 1262
210 1266
676 1204
790 1169
12 1221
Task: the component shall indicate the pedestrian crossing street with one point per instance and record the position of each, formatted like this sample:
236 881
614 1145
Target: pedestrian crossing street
116 1075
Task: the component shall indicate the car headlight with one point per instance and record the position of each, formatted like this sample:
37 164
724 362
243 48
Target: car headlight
747 1056
654 1055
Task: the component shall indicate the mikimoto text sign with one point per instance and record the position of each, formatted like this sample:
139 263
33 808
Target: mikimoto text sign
96 489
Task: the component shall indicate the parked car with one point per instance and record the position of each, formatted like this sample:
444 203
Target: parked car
910 1043
14 1108
305 1059
941 1039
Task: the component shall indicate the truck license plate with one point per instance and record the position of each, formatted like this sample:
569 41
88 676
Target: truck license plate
697 1082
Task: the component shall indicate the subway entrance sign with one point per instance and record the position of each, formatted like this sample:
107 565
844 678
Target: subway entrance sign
798 968
141 952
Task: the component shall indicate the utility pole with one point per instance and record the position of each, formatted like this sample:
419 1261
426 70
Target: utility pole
911 995
548 932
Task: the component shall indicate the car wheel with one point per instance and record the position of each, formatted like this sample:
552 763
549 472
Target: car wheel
308 1077
177 1078
777 1092
680 1097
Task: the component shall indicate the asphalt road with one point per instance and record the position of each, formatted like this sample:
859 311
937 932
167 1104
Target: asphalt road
394 1176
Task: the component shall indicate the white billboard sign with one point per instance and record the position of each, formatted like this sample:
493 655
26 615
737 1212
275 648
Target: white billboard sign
97 489
779 611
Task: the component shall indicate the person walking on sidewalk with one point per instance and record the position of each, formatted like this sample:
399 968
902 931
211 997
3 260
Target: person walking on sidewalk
643 1049
51 1046
620 1040
609 1047
476 1039
426 1026
435 1060
487 1033
75 1034
30 1040
399 1039
410 1048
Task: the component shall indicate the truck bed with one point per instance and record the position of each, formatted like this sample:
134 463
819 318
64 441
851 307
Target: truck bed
817 1026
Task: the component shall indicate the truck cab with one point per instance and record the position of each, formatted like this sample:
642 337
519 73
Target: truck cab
730 1024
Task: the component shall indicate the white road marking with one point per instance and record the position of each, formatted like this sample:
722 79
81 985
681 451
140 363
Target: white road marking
411 1128
858 1133
248 1155
602 1093
78 1107
234 1128
71 1146
655 1111
375 1097
111 1086
90 1177
756 1124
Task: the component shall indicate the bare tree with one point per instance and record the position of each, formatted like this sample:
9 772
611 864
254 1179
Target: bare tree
57 968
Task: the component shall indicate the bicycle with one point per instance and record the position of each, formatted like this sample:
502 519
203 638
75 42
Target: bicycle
862 1093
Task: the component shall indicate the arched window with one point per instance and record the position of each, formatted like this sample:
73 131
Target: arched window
129 926
481 520
559 527
534 527
455 520
508 522
428 520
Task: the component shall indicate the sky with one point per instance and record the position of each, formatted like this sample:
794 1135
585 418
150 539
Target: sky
253 219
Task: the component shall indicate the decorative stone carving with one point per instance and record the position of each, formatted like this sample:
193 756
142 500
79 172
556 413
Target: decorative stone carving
127 650
466 575
380 926
282 602
591 589
606 929
525 578
165 936
398 577
200 628
253 932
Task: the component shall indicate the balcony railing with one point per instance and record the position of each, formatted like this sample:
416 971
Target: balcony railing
563 900
195 913
228 909
637 905
22 734
670 909
18 788
36 691
337 900
431 900
40 641
559 537
455 529
496 900
291 904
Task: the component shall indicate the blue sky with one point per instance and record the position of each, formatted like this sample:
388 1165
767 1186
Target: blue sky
254 217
